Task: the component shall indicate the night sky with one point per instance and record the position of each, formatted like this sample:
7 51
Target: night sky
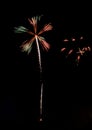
67 87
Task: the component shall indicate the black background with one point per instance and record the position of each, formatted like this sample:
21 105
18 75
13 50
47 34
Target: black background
67 88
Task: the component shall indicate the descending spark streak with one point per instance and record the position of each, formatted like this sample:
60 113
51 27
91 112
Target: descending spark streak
70 51
63 49
78 59
41 97
39 57
39 54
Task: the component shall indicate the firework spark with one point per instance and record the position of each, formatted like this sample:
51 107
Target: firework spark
73 39
66 40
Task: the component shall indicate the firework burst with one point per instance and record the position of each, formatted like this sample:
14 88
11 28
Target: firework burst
38 39
75 48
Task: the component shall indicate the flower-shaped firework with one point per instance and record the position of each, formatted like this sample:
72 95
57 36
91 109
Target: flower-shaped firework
38 39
